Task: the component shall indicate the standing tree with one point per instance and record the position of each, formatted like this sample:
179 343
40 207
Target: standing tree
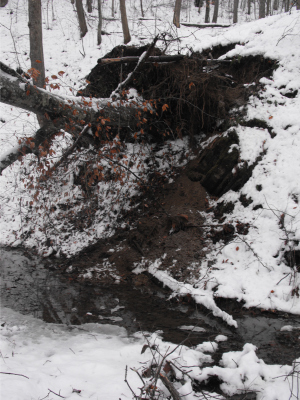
207 10
216 11
298 4
36 41
89 5
262 9
99 39
142 10
235 11
36 46
124 20
176 17
249 7
81 18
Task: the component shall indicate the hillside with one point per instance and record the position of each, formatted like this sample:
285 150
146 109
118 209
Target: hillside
209 210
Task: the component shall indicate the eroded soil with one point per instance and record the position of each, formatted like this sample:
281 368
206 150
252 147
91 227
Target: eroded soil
99 285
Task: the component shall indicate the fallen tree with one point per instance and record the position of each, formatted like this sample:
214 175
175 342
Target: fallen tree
70 113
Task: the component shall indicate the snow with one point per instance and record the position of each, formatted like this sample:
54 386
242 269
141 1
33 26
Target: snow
92 358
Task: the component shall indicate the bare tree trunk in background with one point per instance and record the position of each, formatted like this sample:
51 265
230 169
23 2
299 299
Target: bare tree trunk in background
298 4
36 40
286 5
112 8
176 17
124 20
142 10
99 39
216 12
235 11
89 5
81 18
249 7
36 45
262 9
207 9
268 12
275 5
3 3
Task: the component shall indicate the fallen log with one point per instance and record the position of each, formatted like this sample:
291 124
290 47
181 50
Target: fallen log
58 110
133 59
201 26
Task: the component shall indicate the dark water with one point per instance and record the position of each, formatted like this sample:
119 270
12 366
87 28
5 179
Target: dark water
30 288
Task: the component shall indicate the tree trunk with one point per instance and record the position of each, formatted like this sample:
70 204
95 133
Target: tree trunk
249 7
216 12
207 10
3 3
99 39
126 33
262 10
60 112
36 40
142 10
268 12
287 5
113 8
89 5
176 16
36 46
235 11
81 18
298 4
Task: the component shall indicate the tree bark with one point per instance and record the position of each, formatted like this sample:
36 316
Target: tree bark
3 3
298 4
89 6
176 16
36 40
207 10
99 38
142 10
275 5
287 5
216 12
61 113
126 33
113 8
235 11
262 9
249 7
81 18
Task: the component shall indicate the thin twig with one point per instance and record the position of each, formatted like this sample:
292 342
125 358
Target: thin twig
56 394
10 373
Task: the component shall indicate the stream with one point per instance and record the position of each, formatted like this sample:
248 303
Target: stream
28 287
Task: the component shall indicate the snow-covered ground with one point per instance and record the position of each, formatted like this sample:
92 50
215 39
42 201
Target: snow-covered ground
40 360
252 268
